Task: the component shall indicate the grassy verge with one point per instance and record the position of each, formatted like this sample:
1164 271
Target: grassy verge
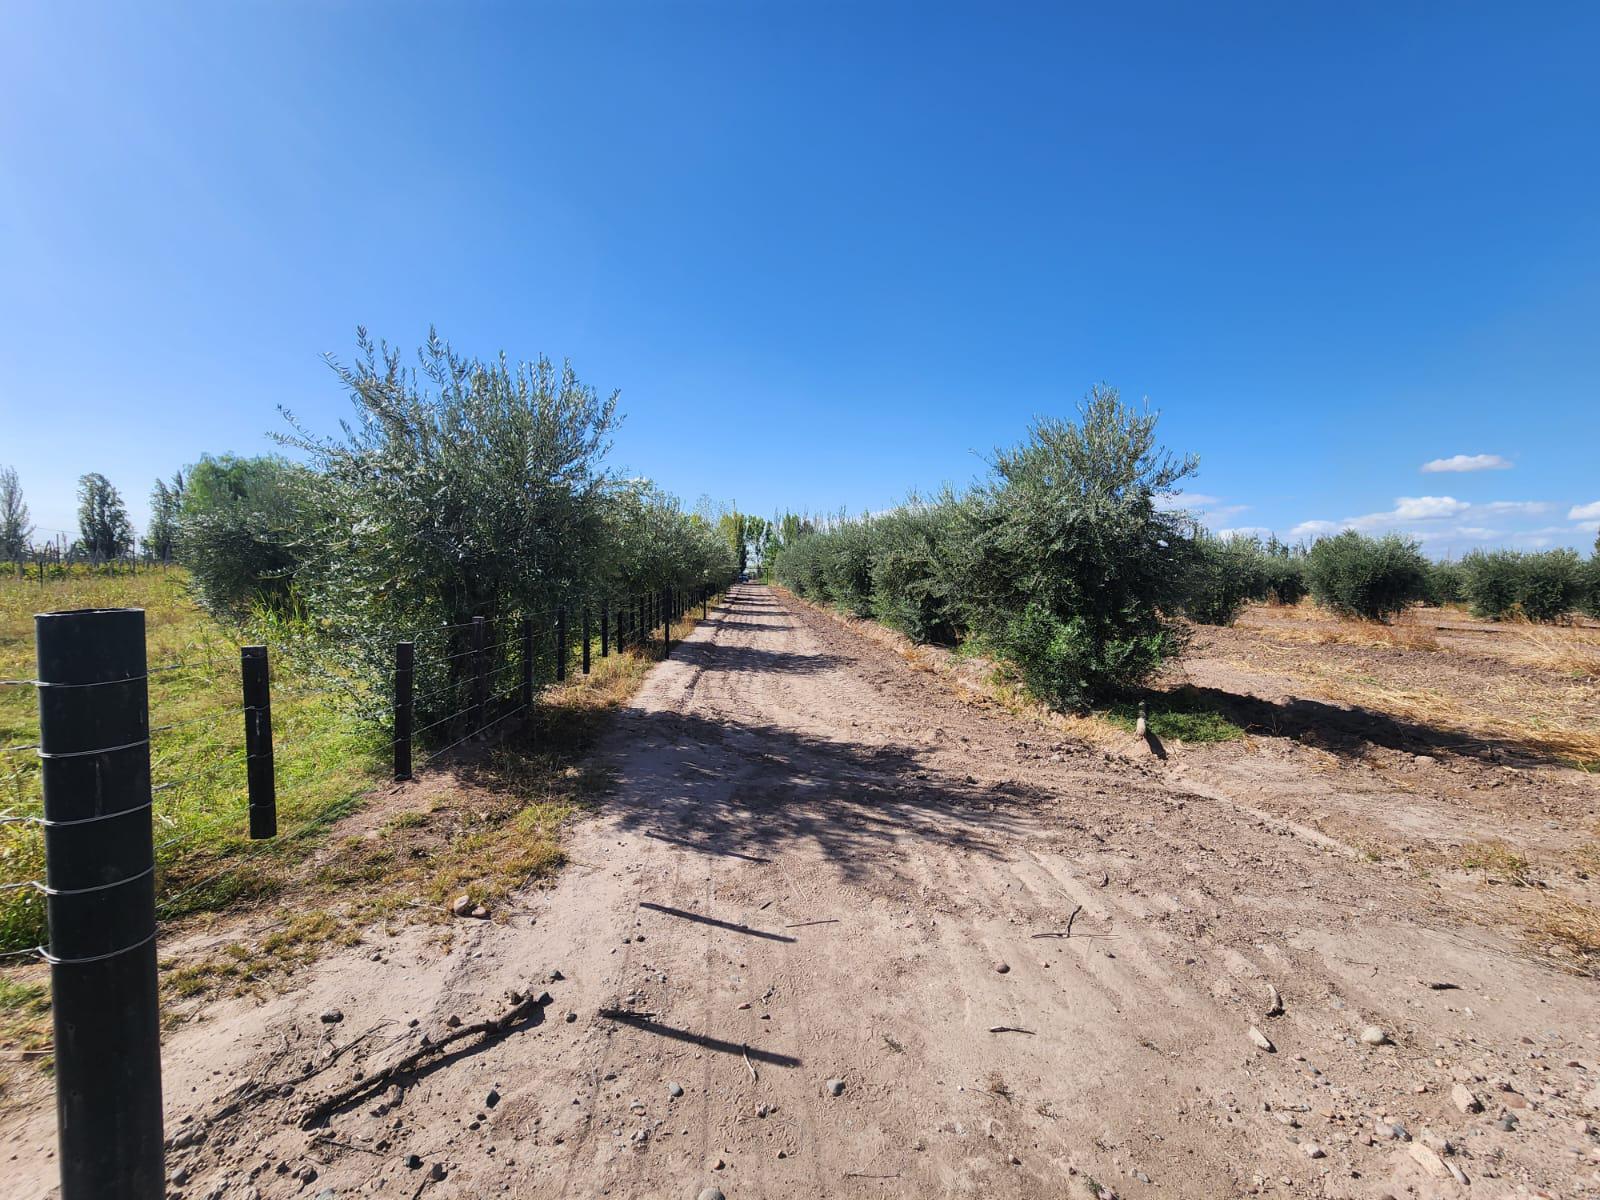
1180 715
204 858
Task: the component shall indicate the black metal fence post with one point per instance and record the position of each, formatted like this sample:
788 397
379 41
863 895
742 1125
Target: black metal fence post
480 672
94 747
561 644
605 628
585 637
527 662
260 780
405 673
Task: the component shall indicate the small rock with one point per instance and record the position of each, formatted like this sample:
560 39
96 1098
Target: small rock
1424 760
1274 1002
1000 968
462 905
480 912
710 1193
1461 1096
1262 1040
1429 1161
492 1098
331 1016
1436 1141
835 1087
674 1090
413 1161
453 1021
571 1017
1373 1036
437 1172
306 1173
1507 1123
1392 1130
1312 1150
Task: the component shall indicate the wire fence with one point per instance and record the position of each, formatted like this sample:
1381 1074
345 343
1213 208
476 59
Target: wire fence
448 686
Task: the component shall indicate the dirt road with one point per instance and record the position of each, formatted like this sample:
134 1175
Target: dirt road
1025 969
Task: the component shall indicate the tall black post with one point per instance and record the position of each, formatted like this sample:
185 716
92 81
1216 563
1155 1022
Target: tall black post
585 637
405 674
527 662
480 672
260 781
561 644
94 743
605 628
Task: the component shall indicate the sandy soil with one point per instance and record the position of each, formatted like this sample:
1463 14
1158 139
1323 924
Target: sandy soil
1027 968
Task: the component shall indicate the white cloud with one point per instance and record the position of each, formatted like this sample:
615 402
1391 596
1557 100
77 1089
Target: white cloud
1314 529
1467 462
1516 506
1246 531
1585 512
1426 508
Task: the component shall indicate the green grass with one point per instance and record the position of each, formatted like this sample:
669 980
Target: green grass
1176 716
325 758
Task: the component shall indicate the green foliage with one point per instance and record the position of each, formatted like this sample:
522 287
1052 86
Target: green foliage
244 527
1446 583
1552 585
1540 587
913 576
1062 560
1076 571
1591 581
1225 574
16 531
1370 578
1285 572
166 509
103 523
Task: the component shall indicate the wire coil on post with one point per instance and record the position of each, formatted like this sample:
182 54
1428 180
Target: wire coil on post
94 731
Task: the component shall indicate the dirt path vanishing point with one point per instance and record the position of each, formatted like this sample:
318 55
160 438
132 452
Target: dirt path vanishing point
1026 971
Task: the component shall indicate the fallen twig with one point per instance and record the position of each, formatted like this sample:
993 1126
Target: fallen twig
803 924
1065 933
1009 1029
869 1175
625 1014
486 1029
330 1140
746 1052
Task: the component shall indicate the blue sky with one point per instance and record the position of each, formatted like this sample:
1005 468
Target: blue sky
830 253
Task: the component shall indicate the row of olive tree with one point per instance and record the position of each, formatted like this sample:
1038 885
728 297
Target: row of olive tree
1074 560
1069 559
460 488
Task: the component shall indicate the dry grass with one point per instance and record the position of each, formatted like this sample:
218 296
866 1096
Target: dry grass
242 967
1570 930
1504 709
1307 624
1568 650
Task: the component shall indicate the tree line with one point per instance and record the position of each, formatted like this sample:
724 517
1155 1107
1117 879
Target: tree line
1075 561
